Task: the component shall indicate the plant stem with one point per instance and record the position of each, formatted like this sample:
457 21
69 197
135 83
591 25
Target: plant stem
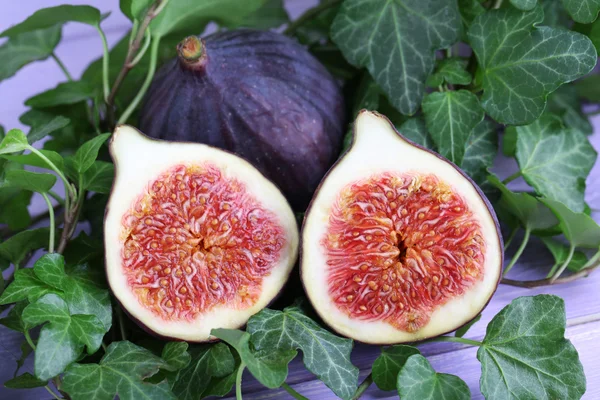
56 197
564 265
552 270
548 281
70 224
292 392
520 250
497 4
52 393
238 381
52 225
104 347
592 260
510 238
310 14
142 52
105 63
512 177
28 338
457 340
138 97
68 188
62 66
121 324
363 387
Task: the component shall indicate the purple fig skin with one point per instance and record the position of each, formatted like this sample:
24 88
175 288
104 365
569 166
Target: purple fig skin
258 94
483 198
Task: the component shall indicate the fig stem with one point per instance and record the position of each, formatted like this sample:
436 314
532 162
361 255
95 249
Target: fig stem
52 224
62 66
457 339
362 388
520 250
238 381
51 392
292 392
308 15
512 177
564 265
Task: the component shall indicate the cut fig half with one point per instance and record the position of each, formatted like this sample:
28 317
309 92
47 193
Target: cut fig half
196 238
398 244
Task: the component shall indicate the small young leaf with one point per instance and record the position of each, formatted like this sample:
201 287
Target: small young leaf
511 49
387 366
25 381
99 177
35 161
121 372
47 17
583 11
28 47
451 117
14 141
63 338
27 180
417 380
26 286
88 152
524 5
18 246
13 320
460 332
561 252
64 93
325 354
525 343
480 151
381 36
414 129
452 71
269 367
555 160
579 228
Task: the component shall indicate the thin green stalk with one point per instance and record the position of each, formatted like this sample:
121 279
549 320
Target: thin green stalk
62 66
52 393
592 260
520 250
512 177
510 238
363 387
292 392
564 265
121 324
449 52
56 197
552 270
153 59
16 268
457 340
105 63
69 190
104 347
52 225
238 381
28 338
497 4
142 52
134 29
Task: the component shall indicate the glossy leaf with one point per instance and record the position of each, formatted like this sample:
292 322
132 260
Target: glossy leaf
414 129
565 104
35 161
418 380
99 177
389 363
39 132
86 155
452 71
560 252
64 93
579 228
396 42
27 180
26 286
25 381
480 151
19 245
584 11
511 49
47 17
13 320
524 5
14 141
525 353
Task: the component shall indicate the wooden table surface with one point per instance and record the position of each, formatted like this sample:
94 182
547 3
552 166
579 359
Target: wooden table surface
80 45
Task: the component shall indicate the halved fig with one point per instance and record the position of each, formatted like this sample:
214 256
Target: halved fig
196 238
398 244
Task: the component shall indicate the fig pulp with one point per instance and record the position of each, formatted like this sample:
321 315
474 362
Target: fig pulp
196 238
258 94
398 244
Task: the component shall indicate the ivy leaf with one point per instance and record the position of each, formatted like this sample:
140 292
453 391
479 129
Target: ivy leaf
64 93
25 381
13 320
451 116
389 363
47 17
511 49
460 332
63 338
524 5
480 151
560 252
325 354
469 10
414 129
19 245
176 355
555 160
26 48
121 372
26 286
35 161
14 141
452 71
27 180
269 367
381 35
417 380
565 104
86 155
208 362
583 11
579 228
525 354
99 177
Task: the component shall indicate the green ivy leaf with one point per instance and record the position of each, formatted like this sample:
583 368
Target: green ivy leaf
25 381
460 332
121 372
86 155
48 17
64 93
176 355
579 228
524 5
35 161
19 245
451 116
525 354
511 49
480 151
555 160
414 129
13 320
417 380
26 286
26 48
99 177
452 71
63 338
381 36
389 363
565 104
269 367
27 180
25 352
560 252
469 10
208 362
14 141
325 354
583 11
